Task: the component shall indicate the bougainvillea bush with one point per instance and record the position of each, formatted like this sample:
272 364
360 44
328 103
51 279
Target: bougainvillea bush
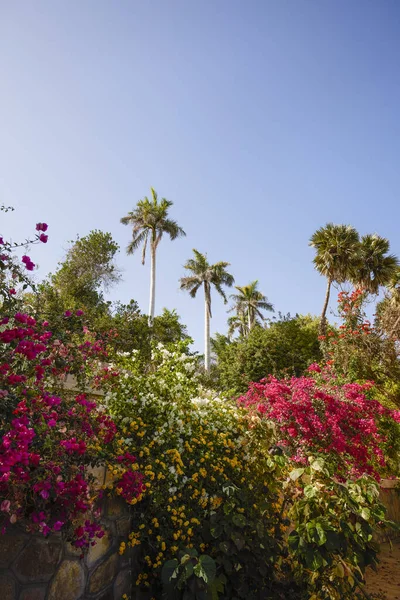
49 436
317 415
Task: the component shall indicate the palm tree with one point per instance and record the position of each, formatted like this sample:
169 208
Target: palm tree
149 221
374 267
336 253
206 275
250 302
238 323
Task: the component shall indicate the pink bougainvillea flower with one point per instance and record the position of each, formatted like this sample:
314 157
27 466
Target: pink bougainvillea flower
67 313
41 226
29 265
5 506
79 313
43 238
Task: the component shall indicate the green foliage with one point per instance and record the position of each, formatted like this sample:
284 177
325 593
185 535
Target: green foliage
88 265
191 578
86 271
286 347
332 543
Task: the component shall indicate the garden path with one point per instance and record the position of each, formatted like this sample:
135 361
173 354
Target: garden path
386 580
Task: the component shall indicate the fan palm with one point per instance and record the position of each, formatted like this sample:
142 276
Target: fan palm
336 254
202 274
374 267
149 221
250 303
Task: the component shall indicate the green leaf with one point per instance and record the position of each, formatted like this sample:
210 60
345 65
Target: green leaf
209 566
332 541
238 540
321 534
296 473
310 491
318 464
294 540
188 570
239 520
365 513
216 530
314 559
339 570
217 587
225 547
168 571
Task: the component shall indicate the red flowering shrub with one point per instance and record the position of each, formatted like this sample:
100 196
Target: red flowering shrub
318 415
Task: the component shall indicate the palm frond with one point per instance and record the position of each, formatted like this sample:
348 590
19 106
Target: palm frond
136 242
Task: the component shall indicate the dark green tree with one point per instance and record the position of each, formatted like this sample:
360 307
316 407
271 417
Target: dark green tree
287 347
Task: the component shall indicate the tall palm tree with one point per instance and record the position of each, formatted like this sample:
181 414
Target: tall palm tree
149 221
374 267
336 254
202 274
250 302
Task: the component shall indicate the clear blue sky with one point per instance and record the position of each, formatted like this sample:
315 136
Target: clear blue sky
261 120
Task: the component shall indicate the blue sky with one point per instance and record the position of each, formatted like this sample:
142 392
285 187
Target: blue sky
261 120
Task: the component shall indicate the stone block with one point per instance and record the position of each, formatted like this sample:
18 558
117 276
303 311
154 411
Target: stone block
11 545
107 595
124 526
103 575
33 593
69 581
99 474
38 560
7 587
72 550
99 550
123 584
115 508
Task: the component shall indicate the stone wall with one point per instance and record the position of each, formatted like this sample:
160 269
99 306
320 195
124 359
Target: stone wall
35 568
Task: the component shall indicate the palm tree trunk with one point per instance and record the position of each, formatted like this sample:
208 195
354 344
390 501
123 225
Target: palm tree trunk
322 325
207 302
152 282
250 323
